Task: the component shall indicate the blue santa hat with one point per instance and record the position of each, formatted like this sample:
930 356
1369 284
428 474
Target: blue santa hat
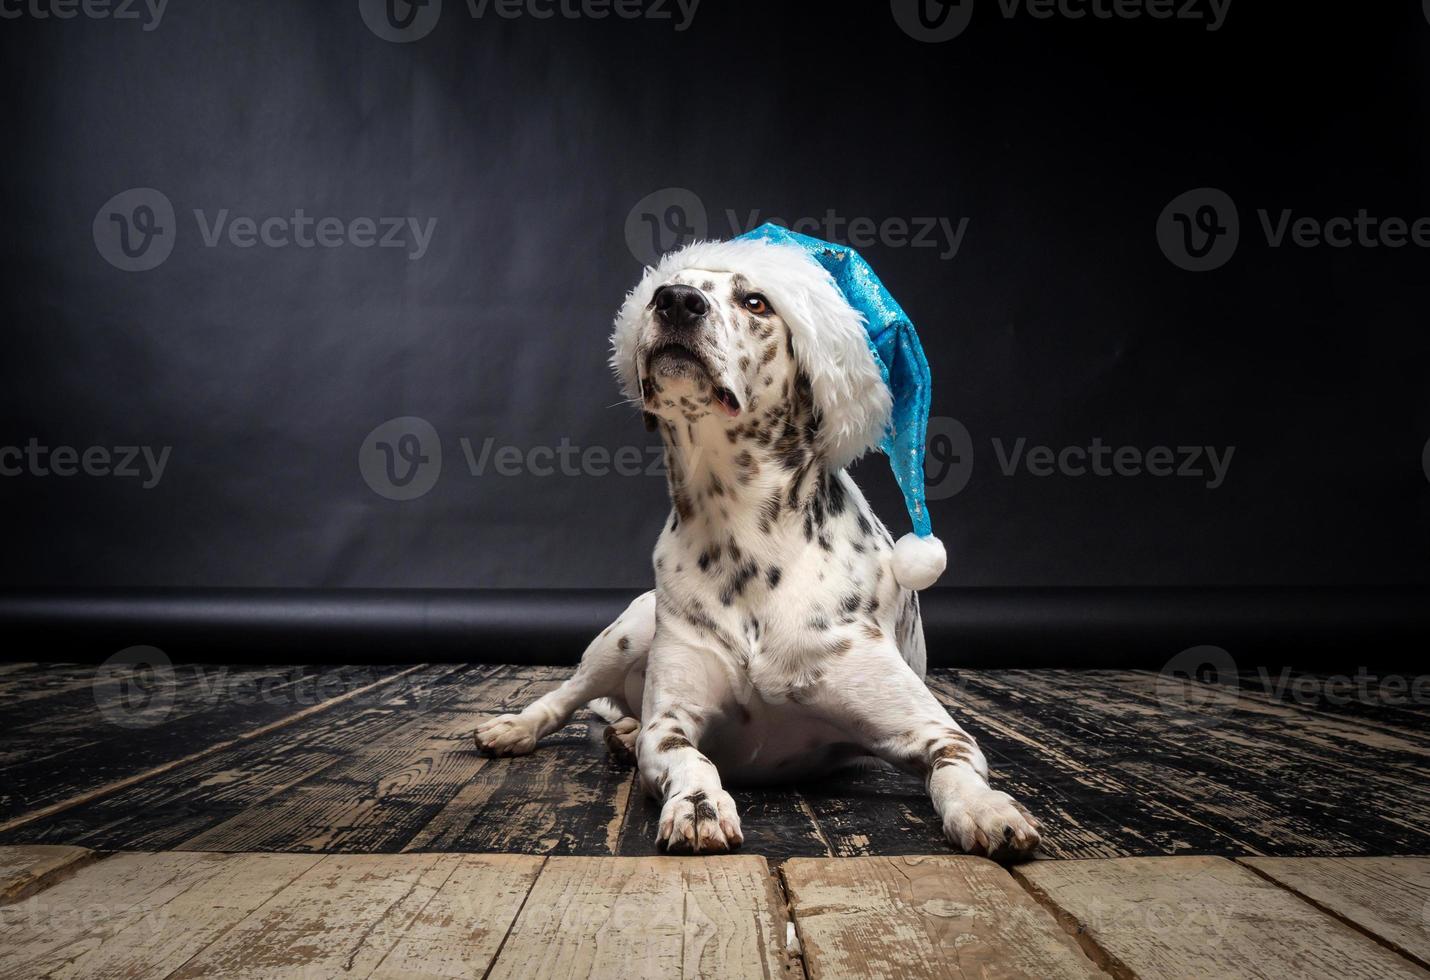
919 558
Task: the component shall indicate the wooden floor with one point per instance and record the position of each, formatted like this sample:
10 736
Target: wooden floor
337 822
67 912
380 760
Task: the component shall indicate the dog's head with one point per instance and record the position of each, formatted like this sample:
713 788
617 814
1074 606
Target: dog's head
728 330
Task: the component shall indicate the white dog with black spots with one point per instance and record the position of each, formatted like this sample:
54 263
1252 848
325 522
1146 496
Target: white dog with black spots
778 642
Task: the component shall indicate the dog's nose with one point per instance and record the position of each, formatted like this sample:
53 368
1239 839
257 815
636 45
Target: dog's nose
680 305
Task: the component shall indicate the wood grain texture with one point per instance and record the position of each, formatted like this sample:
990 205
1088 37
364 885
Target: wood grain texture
137 914
186 914
661 917
119 754
174 806
381 791
1202 917
1112 765
1387 897
26 868
351 914
1210 777
938 916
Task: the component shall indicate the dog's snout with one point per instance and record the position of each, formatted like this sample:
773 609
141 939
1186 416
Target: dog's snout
679 305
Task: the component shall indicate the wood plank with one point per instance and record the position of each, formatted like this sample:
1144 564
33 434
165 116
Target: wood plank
384 790
657 917
1386 701
458 933
137 914
1404 731
26 868
175 806
364 915
1387 897
1204 917
67 708
122 756
269 915
875 811
1257 787
1089 809
938 916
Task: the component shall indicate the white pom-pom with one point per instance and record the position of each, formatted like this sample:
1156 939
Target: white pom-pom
918 562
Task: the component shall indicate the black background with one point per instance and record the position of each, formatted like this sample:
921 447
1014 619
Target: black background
530 140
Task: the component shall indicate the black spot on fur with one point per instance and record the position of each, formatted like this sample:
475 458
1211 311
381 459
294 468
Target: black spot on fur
773 576
672 742
741 578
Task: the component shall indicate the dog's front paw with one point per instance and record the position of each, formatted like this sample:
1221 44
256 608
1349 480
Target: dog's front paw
506 735
700 823
992 824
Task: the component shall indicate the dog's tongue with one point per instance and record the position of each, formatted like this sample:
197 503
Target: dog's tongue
728 402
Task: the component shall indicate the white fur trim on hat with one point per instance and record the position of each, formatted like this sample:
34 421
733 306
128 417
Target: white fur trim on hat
830 341
918 562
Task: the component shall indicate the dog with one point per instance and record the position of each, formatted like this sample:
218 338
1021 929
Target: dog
777 644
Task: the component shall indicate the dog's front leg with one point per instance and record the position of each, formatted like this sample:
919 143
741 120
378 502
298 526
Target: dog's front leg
683 692
874 695
602 673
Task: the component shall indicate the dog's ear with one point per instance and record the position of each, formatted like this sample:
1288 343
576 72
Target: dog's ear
831 346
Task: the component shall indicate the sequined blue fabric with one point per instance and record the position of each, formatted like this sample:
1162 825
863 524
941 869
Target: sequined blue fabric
895 346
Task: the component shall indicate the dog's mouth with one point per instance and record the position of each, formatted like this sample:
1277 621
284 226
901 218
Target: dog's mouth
672 360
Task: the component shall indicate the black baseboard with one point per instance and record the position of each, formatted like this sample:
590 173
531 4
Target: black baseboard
1339 629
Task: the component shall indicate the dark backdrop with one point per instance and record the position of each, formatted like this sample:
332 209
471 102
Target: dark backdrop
547 149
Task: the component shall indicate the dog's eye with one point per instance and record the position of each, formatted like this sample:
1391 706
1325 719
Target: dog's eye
757 304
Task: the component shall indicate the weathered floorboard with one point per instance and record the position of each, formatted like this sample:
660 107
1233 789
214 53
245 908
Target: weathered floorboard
1388 897
943 916
27 868
172 807
1109 762
120 752
660 917
1202 917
